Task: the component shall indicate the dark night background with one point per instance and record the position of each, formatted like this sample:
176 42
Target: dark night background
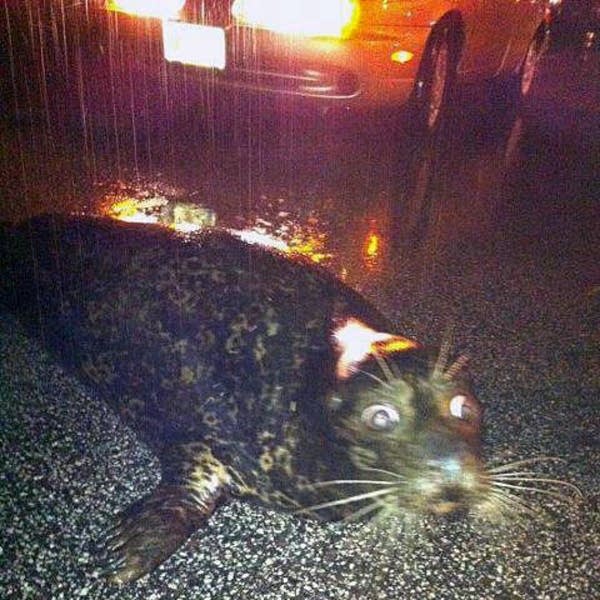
491 231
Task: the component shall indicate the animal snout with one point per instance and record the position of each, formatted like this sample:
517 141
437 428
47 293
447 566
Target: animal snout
450 483
447 470
446 452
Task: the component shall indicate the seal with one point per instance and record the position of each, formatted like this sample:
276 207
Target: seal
249 374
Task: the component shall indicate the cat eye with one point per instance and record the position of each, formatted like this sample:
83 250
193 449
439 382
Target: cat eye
380 417
464 408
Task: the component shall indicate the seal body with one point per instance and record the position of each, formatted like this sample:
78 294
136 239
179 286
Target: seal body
247 372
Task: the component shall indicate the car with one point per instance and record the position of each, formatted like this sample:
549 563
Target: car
575 21
342 53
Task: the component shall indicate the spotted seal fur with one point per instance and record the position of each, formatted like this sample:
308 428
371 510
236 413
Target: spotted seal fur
249 374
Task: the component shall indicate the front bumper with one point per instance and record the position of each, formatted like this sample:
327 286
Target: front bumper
350 72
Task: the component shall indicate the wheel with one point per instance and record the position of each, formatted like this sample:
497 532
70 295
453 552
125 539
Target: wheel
420 195
529 67
435 81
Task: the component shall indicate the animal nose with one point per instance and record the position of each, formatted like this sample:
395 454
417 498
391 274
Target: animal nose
449 470
450 460
442 447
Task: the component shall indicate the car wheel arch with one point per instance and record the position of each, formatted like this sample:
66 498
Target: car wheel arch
528 67
450 29
453 23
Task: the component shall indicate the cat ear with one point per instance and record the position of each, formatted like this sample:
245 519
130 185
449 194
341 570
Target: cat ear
355 342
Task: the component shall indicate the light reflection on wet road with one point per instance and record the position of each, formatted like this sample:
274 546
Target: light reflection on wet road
335 186
340 177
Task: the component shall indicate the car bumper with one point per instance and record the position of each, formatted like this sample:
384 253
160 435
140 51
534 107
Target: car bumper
355 72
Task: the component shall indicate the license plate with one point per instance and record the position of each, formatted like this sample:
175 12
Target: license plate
193 44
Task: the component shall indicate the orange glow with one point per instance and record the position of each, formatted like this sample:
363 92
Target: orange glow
128 210
396 344
312 247
371 251
161 9
330 18
181 216
188 217
124 208
357 341
402 56
372 245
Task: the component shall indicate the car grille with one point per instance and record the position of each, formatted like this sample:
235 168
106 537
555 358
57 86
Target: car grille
208 12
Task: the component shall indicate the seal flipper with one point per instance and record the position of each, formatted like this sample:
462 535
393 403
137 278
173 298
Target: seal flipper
153 528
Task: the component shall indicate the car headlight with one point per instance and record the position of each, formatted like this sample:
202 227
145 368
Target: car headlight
163 9
329 18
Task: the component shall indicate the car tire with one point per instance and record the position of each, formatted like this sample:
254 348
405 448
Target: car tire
435 83
530 65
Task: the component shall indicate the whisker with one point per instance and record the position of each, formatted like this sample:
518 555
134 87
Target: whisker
345 481
513 501
499 500
385 472
394 370
375 378
532 489
458 365
365 510
349 500
503 475
384 511
507 500
508 466
384 368
566 484
442 359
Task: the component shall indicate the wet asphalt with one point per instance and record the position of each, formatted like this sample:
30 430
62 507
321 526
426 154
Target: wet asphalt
490 235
